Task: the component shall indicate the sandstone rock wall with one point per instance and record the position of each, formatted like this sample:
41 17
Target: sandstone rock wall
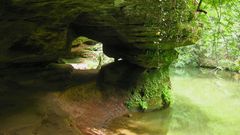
47 27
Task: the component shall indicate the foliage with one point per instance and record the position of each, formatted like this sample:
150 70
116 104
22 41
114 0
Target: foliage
219 45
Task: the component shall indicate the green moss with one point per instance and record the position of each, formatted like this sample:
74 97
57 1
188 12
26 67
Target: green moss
149 58
152 91
166 17
118 3
166 96
145 89
143 105
80 40
148 25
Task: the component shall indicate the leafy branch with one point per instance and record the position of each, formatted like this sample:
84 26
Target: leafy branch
199 8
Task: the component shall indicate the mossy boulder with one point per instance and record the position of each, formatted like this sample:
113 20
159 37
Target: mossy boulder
146 89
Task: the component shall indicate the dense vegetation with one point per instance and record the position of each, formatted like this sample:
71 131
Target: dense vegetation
219 46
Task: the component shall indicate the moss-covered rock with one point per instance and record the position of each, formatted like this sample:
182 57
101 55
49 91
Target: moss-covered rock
38 27
167 24
153 90
143 33
148 58
146 89
48 27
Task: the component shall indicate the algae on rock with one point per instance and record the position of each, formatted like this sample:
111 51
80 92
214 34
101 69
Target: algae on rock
153 90
146 89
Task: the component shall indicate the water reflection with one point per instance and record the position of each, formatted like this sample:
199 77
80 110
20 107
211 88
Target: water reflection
150 123
206 103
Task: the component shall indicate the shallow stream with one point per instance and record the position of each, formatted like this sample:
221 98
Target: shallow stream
206 102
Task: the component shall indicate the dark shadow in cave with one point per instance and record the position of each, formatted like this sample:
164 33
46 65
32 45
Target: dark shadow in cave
93 26
22 88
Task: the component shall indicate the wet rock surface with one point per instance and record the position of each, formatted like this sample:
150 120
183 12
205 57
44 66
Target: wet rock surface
53 102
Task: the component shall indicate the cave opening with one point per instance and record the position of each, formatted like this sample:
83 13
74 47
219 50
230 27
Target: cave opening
86 54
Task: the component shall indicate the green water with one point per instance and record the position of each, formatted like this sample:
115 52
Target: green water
207 102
